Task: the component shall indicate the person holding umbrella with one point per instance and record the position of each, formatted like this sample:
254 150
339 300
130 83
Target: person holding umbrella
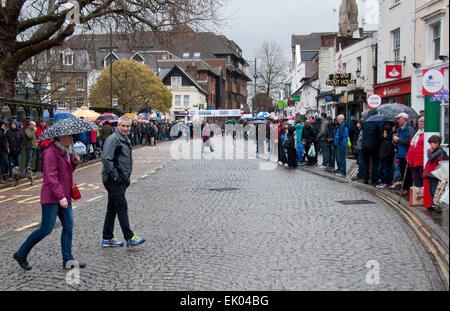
58 165
402 139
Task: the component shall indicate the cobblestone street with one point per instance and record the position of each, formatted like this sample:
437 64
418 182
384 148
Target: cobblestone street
233 225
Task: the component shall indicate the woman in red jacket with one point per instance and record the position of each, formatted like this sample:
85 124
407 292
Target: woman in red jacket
415 155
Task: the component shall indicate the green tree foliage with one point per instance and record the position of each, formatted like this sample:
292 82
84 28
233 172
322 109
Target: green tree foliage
134 84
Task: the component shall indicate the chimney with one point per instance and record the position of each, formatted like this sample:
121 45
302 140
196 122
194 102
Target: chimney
192 70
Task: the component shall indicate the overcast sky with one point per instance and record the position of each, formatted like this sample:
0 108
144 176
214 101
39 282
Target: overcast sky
276 20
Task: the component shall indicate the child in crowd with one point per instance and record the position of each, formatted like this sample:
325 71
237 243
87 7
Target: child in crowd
301 152
435 154
386 155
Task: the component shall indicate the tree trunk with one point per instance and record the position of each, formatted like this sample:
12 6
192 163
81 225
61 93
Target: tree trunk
8 75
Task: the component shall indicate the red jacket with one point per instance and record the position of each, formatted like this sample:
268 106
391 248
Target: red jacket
415 154
42 144
434 157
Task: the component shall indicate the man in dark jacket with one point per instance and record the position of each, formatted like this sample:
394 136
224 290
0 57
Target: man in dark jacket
322 140
16 140
310 134
4 164
117 167
371 139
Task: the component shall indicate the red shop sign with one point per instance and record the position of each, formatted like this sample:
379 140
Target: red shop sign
393 88
393 71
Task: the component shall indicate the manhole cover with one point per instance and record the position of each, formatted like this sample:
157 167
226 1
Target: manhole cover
223 189
355 202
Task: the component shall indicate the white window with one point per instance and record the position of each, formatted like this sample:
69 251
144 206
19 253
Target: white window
175 81
186 55
186 101
61 104
436 40
80 84
67 58
177 100
197 55
62 83
79 102
358 63
396 44
164 56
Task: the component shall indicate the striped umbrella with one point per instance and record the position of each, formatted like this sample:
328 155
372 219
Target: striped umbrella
107 117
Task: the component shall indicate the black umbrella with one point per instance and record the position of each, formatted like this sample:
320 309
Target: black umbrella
392 110
69 126
378 118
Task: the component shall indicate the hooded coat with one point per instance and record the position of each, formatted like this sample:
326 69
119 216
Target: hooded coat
15 139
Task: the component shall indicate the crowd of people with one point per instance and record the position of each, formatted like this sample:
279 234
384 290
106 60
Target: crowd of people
19 138
389 154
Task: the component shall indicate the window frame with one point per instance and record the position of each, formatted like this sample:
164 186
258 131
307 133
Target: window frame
179 101
178 81
395 48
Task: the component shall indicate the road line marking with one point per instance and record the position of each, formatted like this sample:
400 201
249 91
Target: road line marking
133 182
33 224
144 176
421 236
95 198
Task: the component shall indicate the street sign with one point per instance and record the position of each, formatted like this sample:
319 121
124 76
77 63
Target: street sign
432 81
296 98
115 103
374 101
302 111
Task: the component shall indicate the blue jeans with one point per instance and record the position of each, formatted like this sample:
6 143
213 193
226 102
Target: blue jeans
341 160
386 171
49 213
326 152
30 153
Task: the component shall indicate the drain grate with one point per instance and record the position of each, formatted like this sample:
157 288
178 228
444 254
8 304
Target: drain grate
223 189
355 202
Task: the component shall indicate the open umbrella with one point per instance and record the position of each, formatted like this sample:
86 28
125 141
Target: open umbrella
378 118
263 114
230 122
107 117
61 116
86 114
69 126
390 111
132 116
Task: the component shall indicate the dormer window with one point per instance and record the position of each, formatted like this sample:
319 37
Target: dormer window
197 55
106 60
186 55
67 57
137 57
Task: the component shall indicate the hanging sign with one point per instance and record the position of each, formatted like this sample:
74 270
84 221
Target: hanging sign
340 79
432 81
393 71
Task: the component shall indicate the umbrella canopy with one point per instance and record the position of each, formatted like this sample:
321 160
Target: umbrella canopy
390 111
62 116
230 122
69 126
86 114
132 116
263 114
107 117
378 118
